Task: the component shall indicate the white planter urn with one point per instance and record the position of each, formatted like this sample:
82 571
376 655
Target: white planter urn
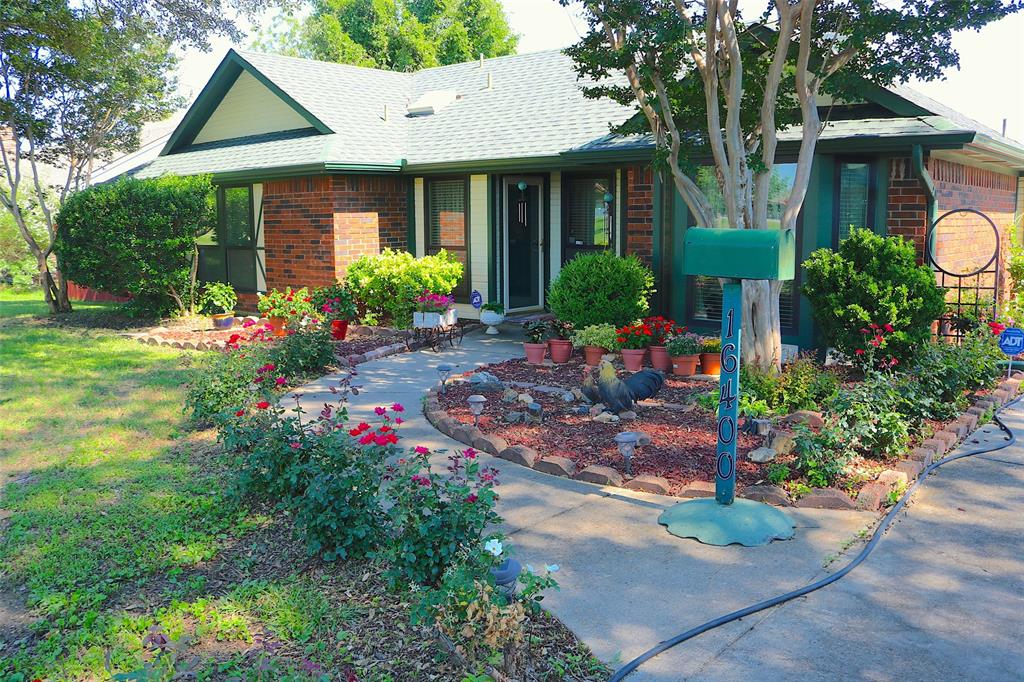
430 320
492 320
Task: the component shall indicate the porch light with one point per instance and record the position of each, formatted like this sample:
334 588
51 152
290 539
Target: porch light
521 185
476 406
608 197
443 371
626 442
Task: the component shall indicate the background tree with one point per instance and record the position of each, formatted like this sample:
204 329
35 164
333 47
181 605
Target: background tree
713 86
138 236
401 35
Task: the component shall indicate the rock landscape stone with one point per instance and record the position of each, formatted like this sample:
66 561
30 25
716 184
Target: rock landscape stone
602 475
761 455
769 494
826 498
649 484
557 466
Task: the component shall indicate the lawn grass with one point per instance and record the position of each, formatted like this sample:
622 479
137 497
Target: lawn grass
123 552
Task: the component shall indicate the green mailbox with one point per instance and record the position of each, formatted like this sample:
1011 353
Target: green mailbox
740 254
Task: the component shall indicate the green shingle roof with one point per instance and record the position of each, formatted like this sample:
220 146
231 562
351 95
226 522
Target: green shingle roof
534 108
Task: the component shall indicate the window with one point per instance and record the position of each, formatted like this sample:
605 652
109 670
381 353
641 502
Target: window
586 221
233 251
854 198
448 225
705 298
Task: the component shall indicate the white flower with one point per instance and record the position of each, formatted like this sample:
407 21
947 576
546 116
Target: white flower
552 568
493 547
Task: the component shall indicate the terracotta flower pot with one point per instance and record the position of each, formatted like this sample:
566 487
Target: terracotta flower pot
685 365
339 329
535 352
223 320
277 325
592 355
711 363
660 359
561 350
633 358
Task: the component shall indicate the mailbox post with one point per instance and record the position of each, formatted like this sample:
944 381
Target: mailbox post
732 255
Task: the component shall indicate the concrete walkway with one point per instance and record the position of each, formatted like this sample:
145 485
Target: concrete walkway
627 584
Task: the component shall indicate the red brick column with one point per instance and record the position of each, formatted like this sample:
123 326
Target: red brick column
640 212
907 214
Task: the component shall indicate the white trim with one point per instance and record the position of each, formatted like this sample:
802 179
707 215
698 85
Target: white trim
555 242
618 231
421 224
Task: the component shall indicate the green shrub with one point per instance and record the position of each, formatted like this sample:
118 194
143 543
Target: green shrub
436 518
600 335
822 455
684 344
601 288
137 236
872 279
304 351
291 304
868 415
386 285
943 373
218 297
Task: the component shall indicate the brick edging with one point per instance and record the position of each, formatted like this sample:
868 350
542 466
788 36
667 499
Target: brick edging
869 498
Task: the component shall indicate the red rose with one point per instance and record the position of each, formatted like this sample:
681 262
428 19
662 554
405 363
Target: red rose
263 404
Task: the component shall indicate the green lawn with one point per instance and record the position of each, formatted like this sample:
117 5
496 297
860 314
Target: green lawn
113 518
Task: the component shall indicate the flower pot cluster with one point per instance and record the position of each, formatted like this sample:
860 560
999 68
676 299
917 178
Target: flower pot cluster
543 337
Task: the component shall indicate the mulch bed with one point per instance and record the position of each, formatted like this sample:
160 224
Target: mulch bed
683 439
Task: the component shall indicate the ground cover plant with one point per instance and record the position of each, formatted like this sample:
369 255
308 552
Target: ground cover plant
124 551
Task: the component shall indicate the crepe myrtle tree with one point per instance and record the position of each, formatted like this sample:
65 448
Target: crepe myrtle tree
714 82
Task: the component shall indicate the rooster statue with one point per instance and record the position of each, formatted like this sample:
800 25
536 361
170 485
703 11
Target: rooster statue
619 395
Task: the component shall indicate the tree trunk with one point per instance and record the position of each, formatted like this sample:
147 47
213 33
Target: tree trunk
55 289
762 342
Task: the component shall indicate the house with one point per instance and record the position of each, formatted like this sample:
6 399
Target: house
506 164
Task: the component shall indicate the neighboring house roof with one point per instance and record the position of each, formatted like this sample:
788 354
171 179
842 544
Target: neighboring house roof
520 107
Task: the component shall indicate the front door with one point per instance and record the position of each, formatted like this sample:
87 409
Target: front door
524 270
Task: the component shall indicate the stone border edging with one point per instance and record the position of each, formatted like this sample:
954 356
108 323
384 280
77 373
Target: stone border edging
153 337
870 497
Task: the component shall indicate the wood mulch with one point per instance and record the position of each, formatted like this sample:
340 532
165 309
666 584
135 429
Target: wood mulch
683 438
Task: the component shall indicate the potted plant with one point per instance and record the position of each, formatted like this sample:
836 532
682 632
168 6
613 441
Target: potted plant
492 314
683 351
335 306
218 301
534 346
661 329
283 307
595 340
633 340
433 310
560 342
711 356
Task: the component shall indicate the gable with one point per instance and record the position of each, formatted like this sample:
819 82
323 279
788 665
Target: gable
249 108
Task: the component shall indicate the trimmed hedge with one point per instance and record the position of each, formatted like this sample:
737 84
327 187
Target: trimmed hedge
386 285
601 288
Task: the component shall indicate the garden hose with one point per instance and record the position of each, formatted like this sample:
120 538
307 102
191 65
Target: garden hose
887 521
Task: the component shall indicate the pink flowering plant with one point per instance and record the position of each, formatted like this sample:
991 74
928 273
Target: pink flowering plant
436 517
333 302
872 353
433 303
324 471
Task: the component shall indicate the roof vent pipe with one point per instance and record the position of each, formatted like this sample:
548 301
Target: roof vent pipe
481 60
385 112
490 82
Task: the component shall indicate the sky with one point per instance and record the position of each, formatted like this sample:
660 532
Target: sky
988 87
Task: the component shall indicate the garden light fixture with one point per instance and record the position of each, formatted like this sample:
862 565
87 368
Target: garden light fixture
476 406
444 370
626 442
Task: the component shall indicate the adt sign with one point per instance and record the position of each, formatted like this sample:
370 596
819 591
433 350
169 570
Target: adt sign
1011 341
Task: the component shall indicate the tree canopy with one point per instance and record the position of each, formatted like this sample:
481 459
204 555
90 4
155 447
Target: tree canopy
400 35
714 85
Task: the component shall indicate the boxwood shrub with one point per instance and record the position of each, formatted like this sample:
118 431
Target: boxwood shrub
601 288
385 285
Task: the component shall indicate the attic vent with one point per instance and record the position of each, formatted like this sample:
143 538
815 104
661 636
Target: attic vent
431 102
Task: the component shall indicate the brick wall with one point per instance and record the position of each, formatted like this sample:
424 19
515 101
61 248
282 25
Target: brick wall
314 227
963 242
640 212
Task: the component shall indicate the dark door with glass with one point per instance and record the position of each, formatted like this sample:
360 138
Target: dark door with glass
523 250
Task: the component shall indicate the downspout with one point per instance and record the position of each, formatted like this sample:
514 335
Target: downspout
925 178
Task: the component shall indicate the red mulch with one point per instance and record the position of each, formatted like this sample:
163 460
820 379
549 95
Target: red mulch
354 344
682 442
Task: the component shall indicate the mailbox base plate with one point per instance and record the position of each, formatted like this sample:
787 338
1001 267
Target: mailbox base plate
744 522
